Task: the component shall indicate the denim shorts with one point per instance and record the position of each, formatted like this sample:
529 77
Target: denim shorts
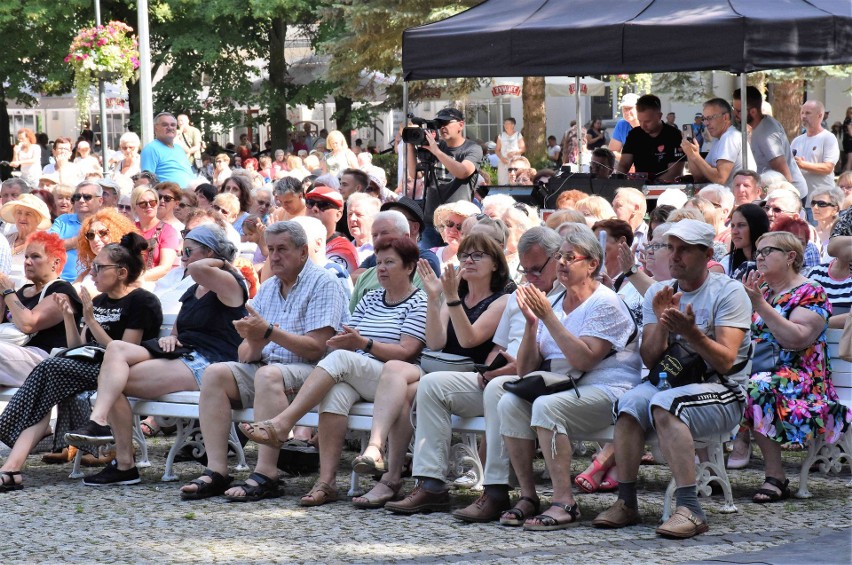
196 362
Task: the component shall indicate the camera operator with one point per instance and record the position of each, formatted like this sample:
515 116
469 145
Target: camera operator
456 166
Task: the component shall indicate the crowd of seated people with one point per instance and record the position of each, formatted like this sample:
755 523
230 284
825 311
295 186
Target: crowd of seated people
294 285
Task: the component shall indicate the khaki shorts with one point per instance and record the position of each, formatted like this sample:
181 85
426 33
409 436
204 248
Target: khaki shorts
294 376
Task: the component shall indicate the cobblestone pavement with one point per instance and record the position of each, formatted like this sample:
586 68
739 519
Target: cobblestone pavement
58 520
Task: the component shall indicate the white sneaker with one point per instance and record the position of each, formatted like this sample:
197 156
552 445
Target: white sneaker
467 480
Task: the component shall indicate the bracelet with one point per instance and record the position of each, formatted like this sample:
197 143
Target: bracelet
269 331
454 303
369 345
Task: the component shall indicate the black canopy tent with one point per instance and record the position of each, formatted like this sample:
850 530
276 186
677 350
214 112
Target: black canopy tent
579 37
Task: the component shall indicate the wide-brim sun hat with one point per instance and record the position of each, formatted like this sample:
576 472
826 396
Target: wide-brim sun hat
34 203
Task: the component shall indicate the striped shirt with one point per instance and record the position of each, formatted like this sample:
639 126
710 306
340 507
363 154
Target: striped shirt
839 291
316 301
379 321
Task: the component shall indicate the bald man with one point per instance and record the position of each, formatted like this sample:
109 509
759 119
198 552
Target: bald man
816 151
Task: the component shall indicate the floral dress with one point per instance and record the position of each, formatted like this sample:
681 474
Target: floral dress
797 401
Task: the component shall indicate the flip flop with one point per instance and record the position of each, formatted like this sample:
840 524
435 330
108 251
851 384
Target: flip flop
549 523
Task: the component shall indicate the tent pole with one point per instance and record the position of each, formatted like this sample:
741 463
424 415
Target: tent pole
744 120
579 124
405 153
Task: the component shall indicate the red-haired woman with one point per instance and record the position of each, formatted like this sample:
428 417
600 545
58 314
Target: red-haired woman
31 310
27 156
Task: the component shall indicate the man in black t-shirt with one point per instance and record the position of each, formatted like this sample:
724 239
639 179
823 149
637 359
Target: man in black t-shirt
654 146
456 168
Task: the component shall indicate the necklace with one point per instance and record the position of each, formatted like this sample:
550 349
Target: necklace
390 302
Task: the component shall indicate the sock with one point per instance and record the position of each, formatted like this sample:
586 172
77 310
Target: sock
432 485
627 493
497 492
688 496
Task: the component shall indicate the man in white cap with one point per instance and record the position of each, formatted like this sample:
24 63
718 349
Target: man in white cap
491 155
708 314
628 121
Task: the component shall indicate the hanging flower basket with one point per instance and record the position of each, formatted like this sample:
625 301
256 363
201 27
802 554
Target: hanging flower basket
107 52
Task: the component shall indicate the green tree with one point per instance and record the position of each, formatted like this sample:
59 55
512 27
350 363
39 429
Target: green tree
37 34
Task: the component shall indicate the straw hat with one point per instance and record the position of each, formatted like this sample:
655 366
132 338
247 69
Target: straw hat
34 203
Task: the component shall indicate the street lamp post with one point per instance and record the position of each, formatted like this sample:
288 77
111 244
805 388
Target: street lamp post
101 100
146 105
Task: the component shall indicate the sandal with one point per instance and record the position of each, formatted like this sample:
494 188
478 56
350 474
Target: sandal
370 502
771 495
609 482
252 431
586 480
517 516
148 430
549 523
204 489
265 488
10 484
320 494
365 465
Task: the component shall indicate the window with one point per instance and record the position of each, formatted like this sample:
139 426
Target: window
484 119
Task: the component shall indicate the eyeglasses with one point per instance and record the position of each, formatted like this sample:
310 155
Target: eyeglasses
187 251
846 187
776 210
264 203
655 246
148 203
322 205
124 207
764 251
449 224
520 206
475 256
183 232
97 267
167 198
706 119
219 209
182 205
78 196
822 204
535 271
100 233
513 169
566 259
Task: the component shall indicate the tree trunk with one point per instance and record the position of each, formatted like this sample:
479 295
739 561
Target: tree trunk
5 142
279 125
786 101
343 115
535 124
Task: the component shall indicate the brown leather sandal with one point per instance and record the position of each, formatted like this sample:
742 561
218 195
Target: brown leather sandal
320 494
370 502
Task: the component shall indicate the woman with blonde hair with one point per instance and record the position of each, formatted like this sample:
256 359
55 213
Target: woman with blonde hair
595 209
448 220
27 155
163 239
340 157
518 219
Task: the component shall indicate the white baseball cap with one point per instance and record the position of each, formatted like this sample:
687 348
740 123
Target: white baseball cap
693 232
629 99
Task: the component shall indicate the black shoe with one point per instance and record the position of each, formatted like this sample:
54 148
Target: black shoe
92 432
111 475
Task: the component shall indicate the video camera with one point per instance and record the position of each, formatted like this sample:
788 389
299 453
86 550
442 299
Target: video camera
416 134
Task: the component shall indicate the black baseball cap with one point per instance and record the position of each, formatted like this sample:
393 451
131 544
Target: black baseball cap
448 115
410 206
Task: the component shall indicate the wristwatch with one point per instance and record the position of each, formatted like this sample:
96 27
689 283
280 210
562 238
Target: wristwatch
632 271
7 292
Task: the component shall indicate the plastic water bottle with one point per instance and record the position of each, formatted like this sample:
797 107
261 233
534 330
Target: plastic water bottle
664 382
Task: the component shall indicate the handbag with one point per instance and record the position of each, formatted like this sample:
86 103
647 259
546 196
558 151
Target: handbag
541 383
9 332
94 353
436 361
767 356
153 347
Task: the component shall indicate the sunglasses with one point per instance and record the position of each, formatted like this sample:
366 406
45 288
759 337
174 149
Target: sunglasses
822 204
148 203
322 205
77 197
100 233
124 207
452 225
187 251
167 198
97 267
